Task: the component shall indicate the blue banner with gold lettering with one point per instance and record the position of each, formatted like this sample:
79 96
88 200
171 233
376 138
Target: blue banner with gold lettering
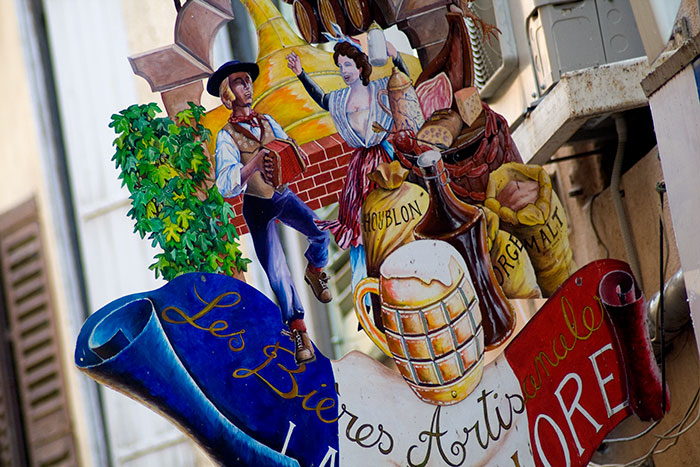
209 352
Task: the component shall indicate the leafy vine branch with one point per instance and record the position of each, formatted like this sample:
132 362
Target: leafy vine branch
174 202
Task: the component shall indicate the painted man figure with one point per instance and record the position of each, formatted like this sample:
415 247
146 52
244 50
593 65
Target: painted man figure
243 165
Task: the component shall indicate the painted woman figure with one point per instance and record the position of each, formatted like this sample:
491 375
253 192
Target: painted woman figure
354 109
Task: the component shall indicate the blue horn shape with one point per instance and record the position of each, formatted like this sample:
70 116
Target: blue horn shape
171 350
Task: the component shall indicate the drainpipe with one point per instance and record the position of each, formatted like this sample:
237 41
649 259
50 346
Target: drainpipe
676 312
630 250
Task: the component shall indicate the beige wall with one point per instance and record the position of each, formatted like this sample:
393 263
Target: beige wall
657 23
23 160
150 25
19 155
642 204
24 175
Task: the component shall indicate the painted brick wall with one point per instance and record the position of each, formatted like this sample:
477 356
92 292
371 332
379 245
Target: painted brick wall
320 185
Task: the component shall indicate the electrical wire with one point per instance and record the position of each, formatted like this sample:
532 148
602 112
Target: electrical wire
661 188
595 229
666 436
633 437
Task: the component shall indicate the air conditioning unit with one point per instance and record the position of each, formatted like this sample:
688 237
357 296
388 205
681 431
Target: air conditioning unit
570 35
497 59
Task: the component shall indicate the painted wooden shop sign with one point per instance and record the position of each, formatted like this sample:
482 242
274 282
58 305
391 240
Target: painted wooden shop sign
209 352
444 224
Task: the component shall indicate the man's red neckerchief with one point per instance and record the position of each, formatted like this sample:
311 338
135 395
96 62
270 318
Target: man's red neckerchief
254 119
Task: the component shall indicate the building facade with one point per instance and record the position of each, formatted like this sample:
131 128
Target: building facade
608 128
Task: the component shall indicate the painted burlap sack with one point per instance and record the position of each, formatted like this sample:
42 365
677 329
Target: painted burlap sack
510 261
390 213
522 197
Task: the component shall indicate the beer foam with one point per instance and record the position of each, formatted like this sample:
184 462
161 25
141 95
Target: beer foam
427 260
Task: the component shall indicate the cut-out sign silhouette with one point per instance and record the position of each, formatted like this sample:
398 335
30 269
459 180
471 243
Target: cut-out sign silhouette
209 352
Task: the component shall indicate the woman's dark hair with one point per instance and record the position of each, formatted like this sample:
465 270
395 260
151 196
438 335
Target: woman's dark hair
361 60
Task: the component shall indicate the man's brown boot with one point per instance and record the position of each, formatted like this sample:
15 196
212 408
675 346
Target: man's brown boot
319 284
303 348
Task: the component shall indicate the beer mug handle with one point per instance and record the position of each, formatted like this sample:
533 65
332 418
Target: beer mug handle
365 286
380 93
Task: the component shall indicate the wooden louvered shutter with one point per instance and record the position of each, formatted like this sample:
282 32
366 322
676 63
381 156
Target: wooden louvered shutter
34 343
12 450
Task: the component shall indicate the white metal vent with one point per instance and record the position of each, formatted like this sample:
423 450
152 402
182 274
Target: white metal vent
494 61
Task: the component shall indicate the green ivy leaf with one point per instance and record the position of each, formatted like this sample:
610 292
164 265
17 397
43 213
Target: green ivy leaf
172 231
164 167
213 260
183 218
197 162
227 213
185 116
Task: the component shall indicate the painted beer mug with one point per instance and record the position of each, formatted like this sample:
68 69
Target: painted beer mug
376 45
431 318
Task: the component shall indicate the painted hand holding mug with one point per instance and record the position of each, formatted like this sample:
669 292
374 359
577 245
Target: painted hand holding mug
376 45
431 320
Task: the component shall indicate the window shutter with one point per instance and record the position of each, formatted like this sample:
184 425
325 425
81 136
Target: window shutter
34 343
12 450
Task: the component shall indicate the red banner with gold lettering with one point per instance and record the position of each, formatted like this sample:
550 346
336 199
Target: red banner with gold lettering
579 358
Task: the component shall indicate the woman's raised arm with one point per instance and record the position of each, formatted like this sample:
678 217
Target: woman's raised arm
313 89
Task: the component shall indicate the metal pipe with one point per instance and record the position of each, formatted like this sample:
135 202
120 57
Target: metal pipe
677 311
630 250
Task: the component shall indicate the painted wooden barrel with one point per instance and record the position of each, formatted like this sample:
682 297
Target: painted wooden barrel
331 11
307 22
358 14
